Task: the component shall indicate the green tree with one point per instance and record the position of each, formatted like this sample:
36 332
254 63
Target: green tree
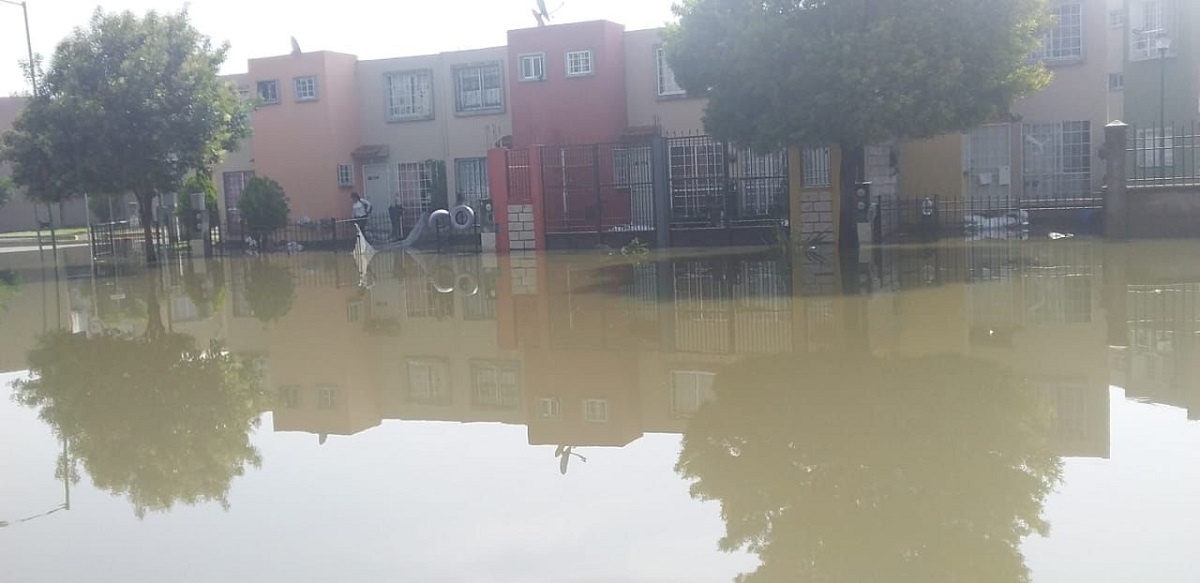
153 417
6 189
927 470
270 290
264 207
850 73
128 105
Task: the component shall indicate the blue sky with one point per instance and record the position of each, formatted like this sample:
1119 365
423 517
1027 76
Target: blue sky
367 28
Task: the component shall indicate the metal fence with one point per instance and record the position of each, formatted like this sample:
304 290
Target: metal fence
1167 156
714 184
598 188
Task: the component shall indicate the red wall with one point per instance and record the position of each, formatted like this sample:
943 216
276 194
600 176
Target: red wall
568 110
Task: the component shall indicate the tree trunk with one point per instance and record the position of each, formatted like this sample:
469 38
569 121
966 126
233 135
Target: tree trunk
145 211
849 172
154 322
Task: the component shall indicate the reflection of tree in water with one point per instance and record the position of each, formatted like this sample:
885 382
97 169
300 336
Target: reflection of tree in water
920 470
270 289
152 417
9 283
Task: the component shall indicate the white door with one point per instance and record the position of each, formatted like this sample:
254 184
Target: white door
987 162
379 186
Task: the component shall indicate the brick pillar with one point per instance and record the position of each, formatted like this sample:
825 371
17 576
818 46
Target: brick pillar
1116 216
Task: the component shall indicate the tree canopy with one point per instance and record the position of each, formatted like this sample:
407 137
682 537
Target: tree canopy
128 104
925 470
263 206
829 72
850 73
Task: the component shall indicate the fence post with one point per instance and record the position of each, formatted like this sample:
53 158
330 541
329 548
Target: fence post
659 164
1116 219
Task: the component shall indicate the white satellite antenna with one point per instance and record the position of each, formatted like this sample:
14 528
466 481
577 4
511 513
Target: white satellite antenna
542 15
295 47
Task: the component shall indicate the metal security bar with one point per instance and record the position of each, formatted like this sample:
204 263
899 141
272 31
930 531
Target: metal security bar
1167 156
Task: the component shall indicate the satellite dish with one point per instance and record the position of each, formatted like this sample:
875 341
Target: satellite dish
295 47
541 14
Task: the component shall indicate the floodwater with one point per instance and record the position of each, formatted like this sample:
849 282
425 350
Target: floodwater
983 412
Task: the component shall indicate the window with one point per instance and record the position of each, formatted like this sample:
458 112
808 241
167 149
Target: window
305 88
533 67
1057 160
761 182
495 385
1116 18
268 91
689 390
415 186
289 397
471 181
549 408
1155 148
595 410
1116 81
479 88
816 167
345 175
429 381
1148 28
697 176
666 77
409 95
1064 41
579 63
234 183
327 397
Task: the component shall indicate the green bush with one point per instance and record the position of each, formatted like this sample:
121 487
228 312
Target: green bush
263 206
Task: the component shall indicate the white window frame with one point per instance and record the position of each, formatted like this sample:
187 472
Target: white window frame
263 97
305 88
328 397
490 99
667 85
1056 157
549 408
1116 81
414 84
471 181
345 175
1150 152
1061 32
1148 24
1116 18
539 72
693 386
575 60
595 410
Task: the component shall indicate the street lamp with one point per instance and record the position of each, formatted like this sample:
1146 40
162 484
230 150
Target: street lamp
28 42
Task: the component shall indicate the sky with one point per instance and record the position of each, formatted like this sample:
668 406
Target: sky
367 28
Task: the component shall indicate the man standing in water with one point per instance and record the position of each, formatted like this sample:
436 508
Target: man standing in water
359 211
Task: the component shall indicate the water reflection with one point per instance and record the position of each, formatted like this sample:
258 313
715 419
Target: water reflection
898 418
153 416
874 469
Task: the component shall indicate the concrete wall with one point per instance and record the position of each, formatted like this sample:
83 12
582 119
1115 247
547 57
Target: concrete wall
932 167
1144 78
569 110
673 113
1163 212
300 143
1074 94
449 135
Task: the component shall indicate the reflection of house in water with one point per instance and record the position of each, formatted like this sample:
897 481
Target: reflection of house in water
593 351
1162 361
